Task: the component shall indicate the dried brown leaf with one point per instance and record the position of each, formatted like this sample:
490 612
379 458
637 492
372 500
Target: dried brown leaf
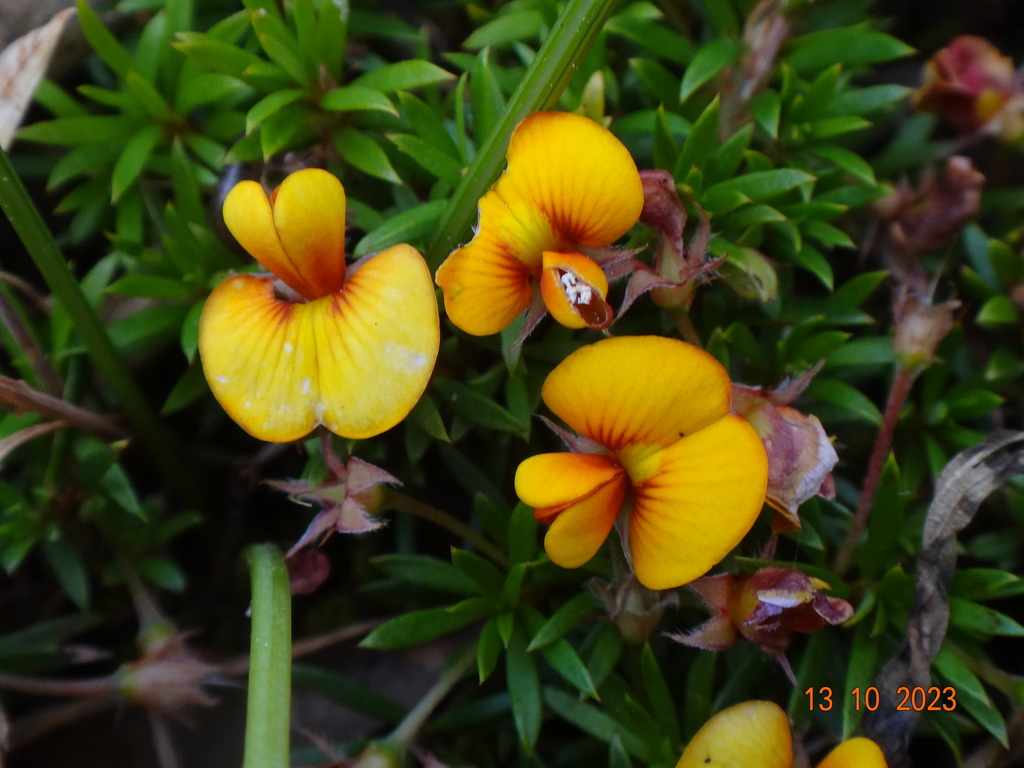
965 482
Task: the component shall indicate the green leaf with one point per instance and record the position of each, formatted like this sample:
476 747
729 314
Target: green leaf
148 329
404 227
568 616
188 389
766 108
814 262
708 62
279 129
523 682
104 43
427 624
426 416
955 671
848 398
979 618
478 408
330 38
516 26
279 44
164 573
403 76
486 97
67 566
71 131
216 55
854 46
435 161
996 311
481 571
849 161
660 696
762 185
985 583
859 673
358 149
701 142
352 98
522 536
488 649
986 714
426 571
348 692
149 97
600 724
151 287
269 105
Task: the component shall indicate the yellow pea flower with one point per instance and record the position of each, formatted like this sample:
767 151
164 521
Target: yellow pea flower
658 444
756 734
315 343
570 185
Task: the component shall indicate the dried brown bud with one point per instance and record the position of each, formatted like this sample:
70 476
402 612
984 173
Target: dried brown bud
920 328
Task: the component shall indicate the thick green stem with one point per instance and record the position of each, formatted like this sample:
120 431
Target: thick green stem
36 237
268 720
543 82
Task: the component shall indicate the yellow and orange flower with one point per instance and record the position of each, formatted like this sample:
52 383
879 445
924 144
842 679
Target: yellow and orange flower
316 343
658 444
570 185
756 734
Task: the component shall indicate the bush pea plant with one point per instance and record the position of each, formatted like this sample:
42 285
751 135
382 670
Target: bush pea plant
654 365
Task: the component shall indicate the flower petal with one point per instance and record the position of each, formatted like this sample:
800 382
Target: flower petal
259 358
309 213
638 389
250 218
377 343
557 479
574 287
485 288
355 361
579 530
754 734
578 173
698 505
855 753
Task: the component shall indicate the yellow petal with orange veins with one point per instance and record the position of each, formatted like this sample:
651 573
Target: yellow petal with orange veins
578 173
355 361
250 218
754 734
638 389
376 344
573 287
855 753
556 479
484 287
309 213
700 502
259 358
579 530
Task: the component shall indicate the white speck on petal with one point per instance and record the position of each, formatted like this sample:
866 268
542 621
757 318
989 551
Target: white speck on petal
288 347
305 386
221 379
404 360
247 404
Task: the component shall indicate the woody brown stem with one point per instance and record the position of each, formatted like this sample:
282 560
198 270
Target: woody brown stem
902 382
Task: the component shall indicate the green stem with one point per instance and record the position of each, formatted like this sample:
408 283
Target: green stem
35 235
681 318
268 720
543 82
402 503
405 732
